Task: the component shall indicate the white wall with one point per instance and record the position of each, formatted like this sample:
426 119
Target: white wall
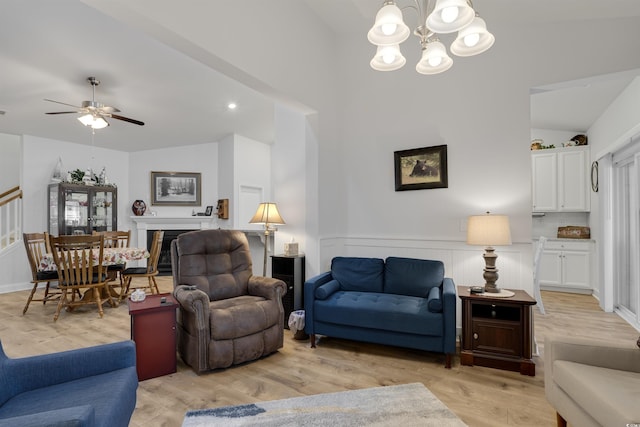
202 158
612 131
10 161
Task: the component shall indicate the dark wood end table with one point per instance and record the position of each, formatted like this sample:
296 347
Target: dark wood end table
497 332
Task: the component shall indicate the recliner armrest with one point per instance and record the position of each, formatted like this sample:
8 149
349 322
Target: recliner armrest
266 287
192 299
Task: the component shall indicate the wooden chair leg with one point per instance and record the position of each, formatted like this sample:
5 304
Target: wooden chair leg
96 297
33 291
153 285
61 303
561 422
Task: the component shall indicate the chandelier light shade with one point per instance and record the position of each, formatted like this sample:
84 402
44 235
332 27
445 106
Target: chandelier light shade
434 17
389 27
473 39
434 59
388 58
449 16
266 214
489 230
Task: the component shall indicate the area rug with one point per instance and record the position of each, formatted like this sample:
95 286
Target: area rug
401 405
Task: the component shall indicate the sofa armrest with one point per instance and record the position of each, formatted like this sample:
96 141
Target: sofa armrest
267 287
623 357
34 372
310 287
449 312
76 416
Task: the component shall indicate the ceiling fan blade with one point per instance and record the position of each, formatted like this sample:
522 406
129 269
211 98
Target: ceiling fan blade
63 112
126 119
63 103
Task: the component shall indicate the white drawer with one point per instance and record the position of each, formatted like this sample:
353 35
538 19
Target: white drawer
568 245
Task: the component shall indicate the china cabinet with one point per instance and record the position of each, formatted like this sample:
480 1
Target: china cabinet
81 209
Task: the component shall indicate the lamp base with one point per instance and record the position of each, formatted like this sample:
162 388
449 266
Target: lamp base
490 271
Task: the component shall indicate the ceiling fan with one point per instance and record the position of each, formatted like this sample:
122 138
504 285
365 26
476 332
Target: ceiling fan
94 114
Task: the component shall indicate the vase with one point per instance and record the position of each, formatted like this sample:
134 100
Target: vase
138 208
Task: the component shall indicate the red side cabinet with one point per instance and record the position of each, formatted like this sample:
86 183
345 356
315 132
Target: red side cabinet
153 329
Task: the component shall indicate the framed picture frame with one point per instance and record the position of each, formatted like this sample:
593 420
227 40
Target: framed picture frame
208 211
176 188
421 168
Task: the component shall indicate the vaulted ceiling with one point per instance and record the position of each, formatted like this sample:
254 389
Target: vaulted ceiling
49 48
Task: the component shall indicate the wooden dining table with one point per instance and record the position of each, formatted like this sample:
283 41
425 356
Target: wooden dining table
110 256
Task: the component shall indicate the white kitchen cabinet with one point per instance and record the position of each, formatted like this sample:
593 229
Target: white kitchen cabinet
560 180
565 266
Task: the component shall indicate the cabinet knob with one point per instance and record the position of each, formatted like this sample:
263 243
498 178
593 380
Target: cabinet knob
475 336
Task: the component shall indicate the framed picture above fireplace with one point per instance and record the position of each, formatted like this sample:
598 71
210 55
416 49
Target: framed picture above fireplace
176 188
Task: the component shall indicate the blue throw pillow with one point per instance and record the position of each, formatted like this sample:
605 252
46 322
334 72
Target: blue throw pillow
434 302
323 291
358 274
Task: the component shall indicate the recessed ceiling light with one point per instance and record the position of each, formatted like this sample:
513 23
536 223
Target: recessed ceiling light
232 106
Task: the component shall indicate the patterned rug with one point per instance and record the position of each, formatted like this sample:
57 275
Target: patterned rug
402 405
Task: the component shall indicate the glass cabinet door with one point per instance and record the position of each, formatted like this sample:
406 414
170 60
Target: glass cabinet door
76 211
102 211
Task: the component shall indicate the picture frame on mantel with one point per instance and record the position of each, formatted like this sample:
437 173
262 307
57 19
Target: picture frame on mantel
421 168
176 188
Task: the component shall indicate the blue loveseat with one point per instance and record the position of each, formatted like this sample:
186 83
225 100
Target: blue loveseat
93 386
403 302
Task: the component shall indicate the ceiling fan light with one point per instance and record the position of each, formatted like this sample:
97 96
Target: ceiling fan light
449 16
476 31
99 123
388 58
389 28
434 59
86 119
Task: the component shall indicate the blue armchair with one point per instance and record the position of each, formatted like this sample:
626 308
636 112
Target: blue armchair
93 386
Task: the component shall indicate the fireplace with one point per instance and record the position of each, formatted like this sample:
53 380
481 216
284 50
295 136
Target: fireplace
164 263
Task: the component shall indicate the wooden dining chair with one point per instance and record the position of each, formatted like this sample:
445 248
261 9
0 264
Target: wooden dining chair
116 239
150 271
37 245
79 262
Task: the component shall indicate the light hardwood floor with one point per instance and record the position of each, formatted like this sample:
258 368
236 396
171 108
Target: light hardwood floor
479 396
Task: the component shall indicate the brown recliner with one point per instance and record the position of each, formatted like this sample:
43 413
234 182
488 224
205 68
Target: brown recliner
227 315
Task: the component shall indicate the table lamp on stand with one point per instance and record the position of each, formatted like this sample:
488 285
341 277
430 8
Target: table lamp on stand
489 230
268 215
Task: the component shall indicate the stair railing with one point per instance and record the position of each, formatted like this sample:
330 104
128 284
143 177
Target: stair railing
10 217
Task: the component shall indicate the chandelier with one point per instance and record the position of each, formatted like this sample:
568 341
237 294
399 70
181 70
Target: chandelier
436 17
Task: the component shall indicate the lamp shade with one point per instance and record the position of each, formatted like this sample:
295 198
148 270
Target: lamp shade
434 59
449 16
388 58
389 27
473 39
267 213
488 230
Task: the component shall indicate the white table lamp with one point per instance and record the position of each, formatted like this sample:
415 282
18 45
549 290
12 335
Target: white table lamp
489 230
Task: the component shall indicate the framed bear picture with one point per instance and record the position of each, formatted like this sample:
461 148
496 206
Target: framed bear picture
421 168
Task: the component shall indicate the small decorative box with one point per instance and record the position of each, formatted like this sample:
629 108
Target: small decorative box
291 249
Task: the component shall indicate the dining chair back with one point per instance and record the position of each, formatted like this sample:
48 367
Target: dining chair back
116 239
79 263
37 245
150 271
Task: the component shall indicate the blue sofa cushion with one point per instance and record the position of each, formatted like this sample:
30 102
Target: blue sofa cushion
323 291
434 302
113 401
358 274
409 276
376 310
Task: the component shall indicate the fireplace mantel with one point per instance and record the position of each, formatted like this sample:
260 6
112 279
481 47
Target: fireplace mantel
150 222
